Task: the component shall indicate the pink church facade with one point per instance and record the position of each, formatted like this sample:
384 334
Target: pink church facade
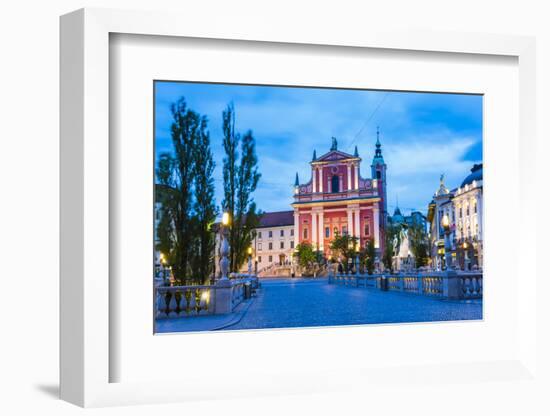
338 200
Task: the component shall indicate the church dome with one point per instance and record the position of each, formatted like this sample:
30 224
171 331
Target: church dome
476 175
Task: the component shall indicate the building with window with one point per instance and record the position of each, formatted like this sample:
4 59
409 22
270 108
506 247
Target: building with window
464 208
274 241
338 200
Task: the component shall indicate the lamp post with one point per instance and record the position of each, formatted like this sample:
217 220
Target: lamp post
447 230
249 251
163 267
224 247
466 258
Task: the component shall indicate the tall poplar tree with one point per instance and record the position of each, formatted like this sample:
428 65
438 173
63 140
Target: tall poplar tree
184 129
240 179
247 217
185 189
204 207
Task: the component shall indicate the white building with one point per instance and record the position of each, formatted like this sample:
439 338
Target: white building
274 242
464 208
272 247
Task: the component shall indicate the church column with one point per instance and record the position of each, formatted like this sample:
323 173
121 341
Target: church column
321 179
321 231
296 228
376 218
357 176
357 225
314 229
350 222
314 180
349 177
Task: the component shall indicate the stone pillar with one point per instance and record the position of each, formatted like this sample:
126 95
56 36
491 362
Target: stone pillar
321 179
376 218
448 254
349 177
223 297
357 225
451 285
224 252
296 228
314 174
314 229
350 222
357 176
321 231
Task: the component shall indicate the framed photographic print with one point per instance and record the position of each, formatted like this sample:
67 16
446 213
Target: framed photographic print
289 220
335 248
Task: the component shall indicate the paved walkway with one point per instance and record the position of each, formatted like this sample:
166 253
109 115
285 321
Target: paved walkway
284 303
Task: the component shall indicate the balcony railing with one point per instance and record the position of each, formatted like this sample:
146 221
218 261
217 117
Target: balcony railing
448 285
188 301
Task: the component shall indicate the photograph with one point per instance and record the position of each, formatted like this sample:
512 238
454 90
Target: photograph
300 206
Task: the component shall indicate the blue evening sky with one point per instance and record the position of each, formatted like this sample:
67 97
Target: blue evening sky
423 134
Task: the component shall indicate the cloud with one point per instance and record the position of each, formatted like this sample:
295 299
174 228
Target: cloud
423 135
429 154
416 163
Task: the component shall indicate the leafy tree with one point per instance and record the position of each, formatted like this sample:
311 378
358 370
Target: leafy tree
204 206
183 130
419 244
305 254
185 190
344 246
369 256
231 141
387 255
240 179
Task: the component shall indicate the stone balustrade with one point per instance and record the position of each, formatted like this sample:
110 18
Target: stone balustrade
187 301
447 285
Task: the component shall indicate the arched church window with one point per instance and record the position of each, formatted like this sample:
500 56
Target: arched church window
378 175
335 184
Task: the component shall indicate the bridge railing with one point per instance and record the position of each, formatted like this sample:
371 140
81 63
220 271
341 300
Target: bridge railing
198 300
447 284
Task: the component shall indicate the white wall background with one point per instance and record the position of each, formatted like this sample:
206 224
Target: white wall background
29 208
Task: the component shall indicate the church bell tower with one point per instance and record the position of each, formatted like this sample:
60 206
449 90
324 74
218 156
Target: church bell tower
378 170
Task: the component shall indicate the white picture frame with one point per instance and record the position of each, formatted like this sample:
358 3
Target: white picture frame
86 355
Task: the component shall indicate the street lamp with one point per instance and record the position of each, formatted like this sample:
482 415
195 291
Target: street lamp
224 247
249 251
445 223
162 260
225 219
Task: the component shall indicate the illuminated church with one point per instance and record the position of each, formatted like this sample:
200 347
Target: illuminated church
338 200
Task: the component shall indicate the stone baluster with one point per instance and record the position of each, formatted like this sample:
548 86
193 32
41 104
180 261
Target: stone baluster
161 305
172 305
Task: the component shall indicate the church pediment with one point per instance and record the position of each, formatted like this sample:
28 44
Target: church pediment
334 155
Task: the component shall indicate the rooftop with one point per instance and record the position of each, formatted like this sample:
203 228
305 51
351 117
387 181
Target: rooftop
476 175
276 219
